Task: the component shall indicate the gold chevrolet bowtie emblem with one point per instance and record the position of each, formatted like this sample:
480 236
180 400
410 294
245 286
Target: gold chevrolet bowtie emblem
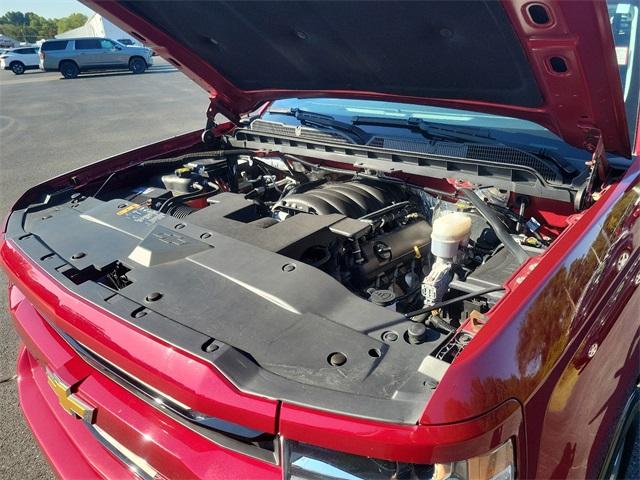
69 401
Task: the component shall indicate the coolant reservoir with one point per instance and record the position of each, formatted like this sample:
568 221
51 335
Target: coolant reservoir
449 232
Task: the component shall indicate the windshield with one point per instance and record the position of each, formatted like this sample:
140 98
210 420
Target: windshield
624 25
624 22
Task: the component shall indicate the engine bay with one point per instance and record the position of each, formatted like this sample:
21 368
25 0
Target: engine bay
295 277
397 245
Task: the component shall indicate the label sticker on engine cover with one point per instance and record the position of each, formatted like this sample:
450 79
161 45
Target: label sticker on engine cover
139 214
127 209
145 215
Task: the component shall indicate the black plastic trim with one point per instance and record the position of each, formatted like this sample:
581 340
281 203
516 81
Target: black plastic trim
515 178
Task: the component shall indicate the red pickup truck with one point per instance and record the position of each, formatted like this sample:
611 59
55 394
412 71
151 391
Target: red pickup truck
404 245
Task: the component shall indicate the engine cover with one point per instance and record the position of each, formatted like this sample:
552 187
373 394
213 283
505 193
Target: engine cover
353 199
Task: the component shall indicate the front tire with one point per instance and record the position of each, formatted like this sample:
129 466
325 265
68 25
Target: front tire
17 68
69 70
137 65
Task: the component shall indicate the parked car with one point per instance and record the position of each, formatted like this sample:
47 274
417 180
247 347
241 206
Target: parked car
18 60
411 251
127 42
130 43
73 56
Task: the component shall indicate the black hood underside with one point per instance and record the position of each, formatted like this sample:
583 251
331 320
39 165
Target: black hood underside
463 50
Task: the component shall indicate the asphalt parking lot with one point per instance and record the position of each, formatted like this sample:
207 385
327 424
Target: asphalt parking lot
48 126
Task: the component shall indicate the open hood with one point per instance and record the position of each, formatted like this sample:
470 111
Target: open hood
550 62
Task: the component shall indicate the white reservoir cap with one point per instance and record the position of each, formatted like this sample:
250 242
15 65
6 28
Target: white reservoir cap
449 232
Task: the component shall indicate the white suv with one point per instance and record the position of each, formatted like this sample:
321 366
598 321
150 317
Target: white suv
20 59
71 56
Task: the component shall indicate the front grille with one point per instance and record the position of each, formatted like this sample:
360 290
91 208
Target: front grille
259 445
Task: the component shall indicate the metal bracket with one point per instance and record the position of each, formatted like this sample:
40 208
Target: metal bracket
210 132
211 115
598 165
595 145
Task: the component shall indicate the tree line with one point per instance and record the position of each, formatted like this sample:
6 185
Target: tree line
30 27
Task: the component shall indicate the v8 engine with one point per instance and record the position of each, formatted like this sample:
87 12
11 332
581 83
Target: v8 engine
366 233
391 242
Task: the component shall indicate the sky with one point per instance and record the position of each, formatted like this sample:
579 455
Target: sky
45 8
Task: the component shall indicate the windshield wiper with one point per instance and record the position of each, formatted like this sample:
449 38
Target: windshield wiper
312 119
465 134
429 129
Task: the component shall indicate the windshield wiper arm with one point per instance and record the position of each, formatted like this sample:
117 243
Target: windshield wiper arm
429 129
466 134
312 119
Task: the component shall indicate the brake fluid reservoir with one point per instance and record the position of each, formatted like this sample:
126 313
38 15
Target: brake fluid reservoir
450 231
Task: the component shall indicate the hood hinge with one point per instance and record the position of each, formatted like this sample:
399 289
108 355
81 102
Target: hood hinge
209 133
598 165
593 143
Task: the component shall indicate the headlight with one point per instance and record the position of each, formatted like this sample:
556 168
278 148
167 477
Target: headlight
308 462
496 465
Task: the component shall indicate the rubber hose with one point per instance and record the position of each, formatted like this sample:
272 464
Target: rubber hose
180 211
182 159
313 166
439 323
501 232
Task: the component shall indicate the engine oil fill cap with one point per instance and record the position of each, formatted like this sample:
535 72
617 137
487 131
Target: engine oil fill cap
383 298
